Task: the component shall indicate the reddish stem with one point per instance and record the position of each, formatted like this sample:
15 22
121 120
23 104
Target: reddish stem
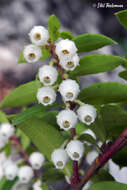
99 162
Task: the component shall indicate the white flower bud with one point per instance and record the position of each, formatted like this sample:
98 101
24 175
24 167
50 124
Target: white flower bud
32 53
39 35
11 171
91 156
2 143
36 159
25 174
87 114
65 49
59 158
70 64
47 75
46 95
69 90
66 119
6 130
37 185
89 132
75 149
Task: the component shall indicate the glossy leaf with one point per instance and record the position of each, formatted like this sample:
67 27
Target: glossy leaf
97 63
104 92
108 185
53 27
52 174
23 95
45 137
90 42
122 17
45 186
3 118
21 58
6 184
123 74
45 53
66 35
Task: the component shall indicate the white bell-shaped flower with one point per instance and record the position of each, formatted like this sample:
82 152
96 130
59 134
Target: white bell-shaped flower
65 49
25 174
75 149
37 185
47 75
70 64
87 114
39 35
32 53
120 175
69 90
6 131
10 171
59 158
36 160
66 119
91 156
46 95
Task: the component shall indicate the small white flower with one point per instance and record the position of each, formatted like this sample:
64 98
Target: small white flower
46 95
75 149
120 175
39 35
91 156
11 171
25 174
87 114
69 90
3 141
91 133
32 53
6 130
47 75
66 119
59 158
70 64
36 159
37 185
65 49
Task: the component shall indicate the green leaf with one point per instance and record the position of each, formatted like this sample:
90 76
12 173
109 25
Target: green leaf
3 117
90 42
21 58
30 112
45 137
102 175
6 184
123 74
66 35
97 63
23 95
7 149
88 138
53 27
120 157
52 174
45 53
122 17
104 92
108 185
114 119
25 141
80 127
45 186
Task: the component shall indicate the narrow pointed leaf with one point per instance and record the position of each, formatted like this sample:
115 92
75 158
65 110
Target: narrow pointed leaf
22 95
104 92
123 74
122 17
97 63
90 42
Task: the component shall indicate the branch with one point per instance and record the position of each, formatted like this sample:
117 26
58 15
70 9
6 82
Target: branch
99 162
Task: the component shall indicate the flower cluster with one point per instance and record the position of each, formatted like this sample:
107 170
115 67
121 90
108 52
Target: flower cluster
25 173
67 59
